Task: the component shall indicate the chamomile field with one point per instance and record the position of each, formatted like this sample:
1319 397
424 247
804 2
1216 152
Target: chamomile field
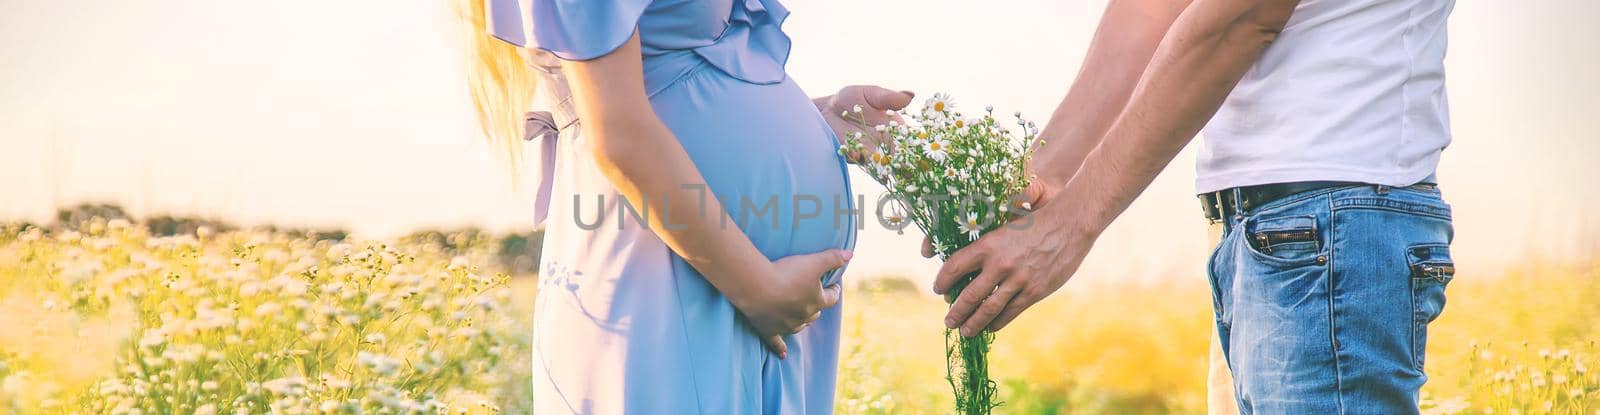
106 317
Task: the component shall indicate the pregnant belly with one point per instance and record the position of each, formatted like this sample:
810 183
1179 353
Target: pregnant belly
768 156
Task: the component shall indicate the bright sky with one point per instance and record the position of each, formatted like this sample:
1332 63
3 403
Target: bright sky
354 113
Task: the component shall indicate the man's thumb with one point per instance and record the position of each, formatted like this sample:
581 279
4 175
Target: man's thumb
1036 194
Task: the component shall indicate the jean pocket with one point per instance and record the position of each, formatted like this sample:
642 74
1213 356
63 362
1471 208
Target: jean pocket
1284 240
1431 270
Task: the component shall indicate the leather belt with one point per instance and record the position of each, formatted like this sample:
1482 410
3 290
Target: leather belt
1221 203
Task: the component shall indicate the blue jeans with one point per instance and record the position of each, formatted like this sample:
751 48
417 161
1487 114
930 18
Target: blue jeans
1323 298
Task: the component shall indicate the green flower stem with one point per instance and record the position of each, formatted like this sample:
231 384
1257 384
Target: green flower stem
951 176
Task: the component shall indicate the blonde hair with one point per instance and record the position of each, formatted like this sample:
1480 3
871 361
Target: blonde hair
500 81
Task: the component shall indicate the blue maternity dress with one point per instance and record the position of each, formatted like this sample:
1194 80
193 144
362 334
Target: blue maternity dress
622 324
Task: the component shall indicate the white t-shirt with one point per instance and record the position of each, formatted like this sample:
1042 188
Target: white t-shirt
1352 90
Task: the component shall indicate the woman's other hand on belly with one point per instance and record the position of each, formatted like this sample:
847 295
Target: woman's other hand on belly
792 297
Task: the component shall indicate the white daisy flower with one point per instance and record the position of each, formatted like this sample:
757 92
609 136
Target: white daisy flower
916 141
970 226
895 219
936 149
939 103
880 164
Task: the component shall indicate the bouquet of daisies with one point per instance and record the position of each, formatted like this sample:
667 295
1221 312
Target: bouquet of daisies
955 178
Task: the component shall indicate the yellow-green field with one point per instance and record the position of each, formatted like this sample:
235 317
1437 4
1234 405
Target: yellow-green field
1522 342
109 319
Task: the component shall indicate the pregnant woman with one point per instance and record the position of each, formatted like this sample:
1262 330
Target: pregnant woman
698 224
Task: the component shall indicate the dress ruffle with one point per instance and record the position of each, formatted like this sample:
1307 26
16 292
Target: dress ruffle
570 29
751 47
754 47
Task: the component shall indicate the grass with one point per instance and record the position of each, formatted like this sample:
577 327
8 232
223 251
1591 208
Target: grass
1523 341
108 319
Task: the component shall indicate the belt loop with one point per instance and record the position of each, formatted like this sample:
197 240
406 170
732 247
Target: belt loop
1238 211
1383 190
1222 209
1209 204
1237 202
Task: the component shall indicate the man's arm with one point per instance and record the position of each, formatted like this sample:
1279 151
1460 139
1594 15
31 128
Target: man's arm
1202 57
1123 44
1211 47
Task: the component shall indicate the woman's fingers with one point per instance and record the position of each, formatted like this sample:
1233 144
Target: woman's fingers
800 295
801 273
776 345
927 247
808 321
817 263
830 297
882 99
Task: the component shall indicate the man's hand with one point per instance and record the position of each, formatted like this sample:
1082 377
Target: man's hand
876 104
1033 197
1205 52
1017 265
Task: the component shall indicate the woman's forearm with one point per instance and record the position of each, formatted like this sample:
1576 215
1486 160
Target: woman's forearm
648 166
643 159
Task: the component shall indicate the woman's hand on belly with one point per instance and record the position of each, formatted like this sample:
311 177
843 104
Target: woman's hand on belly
792 297
650 168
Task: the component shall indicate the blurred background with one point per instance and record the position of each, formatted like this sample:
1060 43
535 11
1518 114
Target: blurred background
354 115
352 119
